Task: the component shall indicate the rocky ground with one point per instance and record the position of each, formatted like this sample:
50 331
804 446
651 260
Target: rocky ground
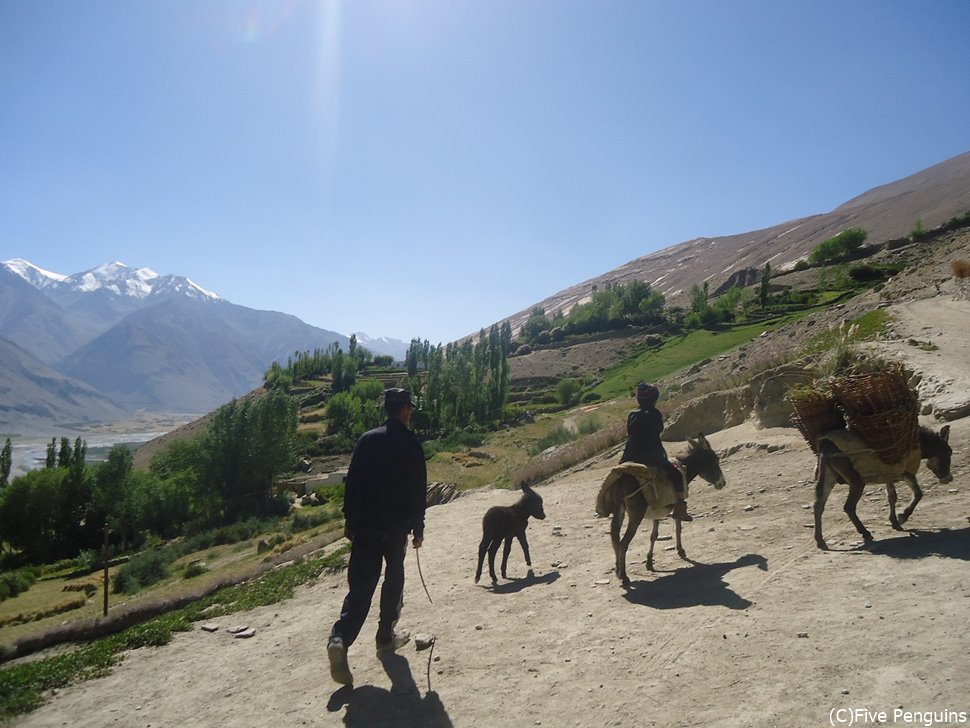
758 628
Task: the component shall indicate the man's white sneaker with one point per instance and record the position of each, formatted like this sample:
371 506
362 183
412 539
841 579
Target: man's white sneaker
339 669
397 641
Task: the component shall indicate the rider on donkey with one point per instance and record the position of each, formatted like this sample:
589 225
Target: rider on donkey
643 428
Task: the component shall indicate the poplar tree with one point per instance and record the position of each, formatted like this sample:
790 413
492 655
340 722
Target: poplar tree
64 456
6 462
765 283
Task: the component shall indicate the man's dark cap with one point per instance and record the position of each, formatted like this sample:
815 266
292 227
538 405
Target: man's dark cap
647 392
396 395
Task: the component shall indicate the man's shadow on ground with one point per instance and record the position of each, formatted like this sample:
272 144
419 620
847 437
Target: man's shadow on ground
400 707
700 584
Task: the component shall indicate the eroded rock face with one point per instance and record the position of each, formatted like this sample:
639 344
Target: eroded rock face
762 398
771 409
710 413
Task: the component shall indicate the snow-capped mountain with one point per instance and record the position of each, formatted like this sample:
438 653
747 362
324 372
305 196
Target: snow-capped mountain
383 345
114 278
142 340
34 275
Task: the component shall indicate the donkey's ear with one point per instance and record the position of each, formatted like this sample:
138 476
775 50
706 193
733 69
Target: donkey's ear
945 433
701 439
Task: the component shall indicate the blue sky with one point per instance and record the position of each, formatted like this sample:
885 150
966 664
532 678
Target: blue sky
425 168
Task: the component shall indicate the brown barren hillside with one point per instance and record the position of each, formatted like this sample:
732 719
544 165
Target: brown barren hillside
891 211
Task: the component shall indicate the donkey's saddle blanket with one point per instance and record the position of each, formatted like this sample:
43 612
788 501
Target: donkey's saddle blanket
654 487
865 460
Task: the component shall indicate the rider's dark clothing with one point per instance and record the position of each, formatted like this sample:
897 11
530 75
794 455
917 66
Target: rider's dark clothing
643 428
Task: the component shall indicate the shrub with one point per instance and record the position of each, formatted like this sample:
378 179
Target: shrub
196 568
144 569
588 426
13 583
845 243
332 493
557 436
801 265
304 520
567 391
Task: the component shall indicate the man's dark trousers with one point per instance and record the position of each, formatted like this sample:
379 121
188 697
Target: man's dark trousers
369 551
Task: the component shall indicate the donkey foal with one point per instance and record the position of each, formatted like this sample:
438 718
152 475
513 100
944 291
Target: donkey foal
501 523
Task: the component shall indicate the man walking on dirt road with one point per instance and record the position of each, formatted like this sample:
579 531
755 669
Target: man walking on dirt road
384 501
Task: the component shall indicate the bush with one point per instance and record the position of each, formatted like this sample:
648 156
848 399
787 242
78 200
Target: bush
144 569
332 493
567 390
13 583
558 436
196 568
588 426
304 520
845 243
865 273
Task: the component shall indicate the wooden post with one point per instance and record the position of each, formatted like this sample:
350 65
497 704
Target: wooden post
104 558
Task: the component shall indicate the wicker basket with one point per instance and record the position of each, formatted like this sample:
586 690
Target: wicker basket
893 434
881 407
815 413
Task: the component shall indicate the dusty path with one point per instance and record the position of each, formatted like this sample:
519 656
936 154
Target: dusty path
933 339
715 642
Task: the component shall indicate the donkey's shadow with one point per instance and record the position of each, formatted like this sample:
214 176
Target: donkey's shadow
918 544
518 584
699 585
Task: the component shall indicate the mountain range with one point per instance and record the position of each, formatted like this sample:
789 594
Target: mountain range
94 345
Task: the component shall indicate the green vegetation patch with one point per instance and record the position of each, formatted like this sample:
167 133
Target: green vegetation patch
684 351
23 687
863 328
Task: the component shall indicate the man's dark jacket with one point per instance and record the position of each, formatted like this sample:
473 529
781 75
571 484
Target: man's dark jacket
387 482
643 445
